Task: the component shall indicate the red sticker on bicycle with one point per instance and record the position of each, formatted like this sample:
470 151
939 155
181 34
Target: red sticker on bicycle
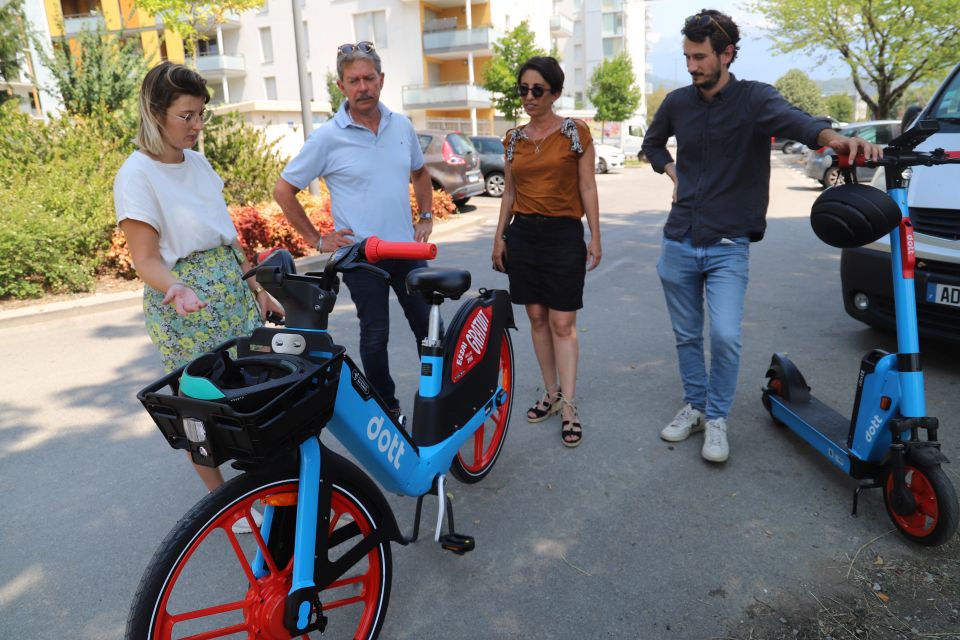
472 342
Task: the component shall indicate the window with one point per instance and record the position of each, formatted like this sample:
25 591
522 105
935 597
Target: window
612 47
270 87
578 76
371 26
578 53
266 45
612 24
306 40
207 48
424 141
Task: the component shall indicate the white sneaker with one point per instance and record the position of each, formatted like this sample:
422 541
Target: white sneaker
687 421
715 447
243 524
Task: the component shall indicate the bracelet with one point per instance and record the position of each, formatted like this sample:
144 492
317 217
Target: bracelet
258 290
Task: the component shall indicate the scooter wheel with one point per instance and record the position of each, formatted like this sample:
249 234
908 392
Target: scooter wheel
934 520
775 382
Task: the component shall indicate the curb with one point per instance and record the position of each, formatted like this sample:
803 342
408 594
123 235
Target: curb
98 302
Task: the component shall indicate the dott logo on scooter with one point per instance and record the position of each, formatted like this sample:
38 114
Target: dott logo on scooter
472 343
875 424
388 443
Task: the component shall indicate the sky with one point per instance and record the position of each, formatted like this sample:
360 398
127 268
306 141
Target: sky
755 60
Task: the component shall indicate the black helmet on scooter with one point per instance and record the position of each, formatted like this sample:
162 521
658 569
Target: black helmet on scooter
852 215
245 384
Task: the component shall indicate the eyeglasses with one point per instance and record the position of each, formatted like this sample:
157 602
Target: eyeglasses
536 90
702 20
364 47
204 117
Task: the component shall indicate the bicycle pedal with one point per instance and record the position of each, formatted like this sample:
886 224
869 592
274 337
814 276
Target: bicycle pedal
458 543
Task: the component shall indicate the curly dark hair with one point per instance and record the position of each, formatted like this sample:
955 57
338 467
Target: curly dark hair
719 27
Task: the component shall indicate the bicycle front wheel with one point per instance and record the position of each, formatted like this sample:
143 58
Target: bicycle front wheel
477 456
203 581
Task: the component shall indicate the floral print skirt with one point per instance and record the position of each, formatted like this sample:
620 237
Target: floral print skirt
231 311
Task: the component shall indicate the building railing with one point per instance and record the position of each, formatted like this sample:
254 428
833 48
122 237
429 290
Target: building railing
476 39
76 23
484 127
561 25
439 24
442 96
221 63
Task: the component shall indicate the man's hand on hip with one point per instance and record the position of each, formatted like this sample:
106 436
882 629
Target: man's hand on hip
335 240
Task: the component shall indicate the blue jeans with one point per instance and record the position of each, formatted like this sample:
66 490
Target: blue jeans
370 294
721 270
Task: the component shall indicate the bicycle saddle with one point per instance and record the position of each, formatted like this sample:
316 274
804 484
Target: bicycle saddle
447 283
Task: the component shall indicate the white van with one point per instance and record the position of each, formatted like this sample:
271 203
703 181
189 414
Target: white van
935 214
633 139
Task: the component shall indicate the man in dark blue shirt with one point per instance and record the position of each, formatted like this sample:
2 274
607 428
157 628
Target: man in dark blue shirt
721 191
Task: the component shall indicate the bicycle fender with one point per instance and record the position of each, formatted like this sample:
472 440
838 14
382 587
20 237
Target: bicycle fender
925 454
335 466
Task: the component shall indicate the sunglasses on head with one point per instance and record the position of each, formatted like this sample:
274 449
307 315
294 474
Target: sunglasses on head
704 19
536 90
363 47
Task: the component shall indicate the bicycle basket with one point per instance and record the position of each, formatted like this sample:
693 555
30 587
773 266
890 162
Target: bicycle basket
248 408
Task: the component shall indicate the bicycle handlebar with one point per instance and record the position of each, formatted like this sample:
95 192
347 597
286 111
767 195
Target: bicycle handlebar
376 249
897 157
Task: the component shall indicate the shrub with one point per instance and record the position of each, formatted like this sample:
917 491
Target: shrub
442 204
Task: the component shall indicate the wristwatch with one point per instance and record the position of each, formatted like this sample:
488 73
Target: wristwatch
426 215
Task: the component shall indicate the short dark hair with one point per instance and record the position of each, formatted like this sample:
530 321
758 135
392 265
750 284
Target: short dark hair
721 29
546 66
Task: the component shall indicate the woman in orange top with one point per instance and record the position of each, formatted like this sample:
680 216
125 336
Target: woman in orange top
539 243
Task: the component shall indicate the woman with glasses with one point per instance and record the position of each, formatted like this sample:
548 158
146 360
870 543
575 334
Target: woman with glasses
170 207
550 186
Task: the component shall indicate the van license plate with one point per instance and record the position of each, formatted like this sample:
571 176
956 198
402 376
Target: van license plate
943 294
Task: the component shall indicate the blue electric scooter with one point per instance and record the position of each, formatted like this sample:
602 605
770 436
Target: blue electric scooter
881 441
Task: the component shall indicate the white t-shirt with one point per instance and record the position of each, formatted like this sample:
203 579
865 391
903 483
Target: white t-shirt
183 202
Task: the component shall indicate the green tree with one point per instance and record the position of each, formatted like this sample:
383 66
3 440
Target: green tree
840 107
336 96
105 75
654 100
242 156
189 19
509 54
890 43
11 43
613 90
801 92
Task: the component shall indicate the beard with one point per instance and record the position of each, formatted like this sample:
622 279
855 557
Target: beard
707 80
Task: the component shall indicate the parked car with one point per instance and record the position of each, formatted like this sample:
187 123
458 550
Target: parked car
876 131
865 273
607 157
453 163
491 163
633 141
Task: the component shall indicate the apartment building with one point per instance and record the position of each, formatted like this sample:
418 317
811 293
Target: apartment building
434 52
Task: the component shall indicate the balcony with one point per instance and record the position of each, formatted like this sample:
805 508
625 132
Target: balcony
449 44
74 24
561 26
445 96
219 66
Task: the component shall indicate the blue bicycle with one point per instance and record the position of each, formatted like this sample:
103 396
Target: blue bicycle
881 441
320 561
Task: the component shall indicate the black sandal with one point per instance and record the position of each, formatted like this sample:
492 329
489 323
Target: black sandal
544 408
571 428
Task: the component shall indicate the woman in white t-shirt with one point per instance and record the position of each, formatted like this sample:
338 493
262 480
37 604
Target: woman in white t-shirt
184 245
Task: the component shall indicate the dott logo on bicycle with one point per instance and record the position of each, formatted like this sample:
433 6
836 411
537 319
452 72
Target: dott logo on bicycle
388 443
472 343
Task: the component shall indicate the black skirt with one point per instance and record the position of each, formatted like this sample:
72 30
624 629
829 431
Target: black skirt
546 261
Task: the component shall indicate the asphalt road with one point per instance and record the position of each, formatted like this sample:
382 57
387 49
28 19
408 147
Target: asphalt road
624 537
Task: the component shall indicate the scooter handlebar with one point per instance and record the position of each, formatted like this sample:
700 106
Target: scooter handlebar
911 158
376 249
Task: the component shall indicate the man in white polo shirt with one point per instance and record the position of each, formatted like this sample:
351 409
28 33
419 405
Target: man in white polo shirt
367 155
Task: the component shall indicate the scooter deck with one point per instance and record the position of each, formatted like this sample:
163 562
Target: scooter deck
820 425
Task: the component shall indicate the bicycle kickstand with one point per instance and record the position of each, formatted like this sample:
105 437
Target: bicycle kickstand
452 541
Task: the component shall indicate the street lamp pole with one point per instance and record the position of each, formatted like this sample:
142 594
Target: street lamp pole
306 111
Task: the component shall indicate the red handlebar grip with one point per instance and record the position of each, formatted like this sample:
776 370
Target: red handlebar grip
953 154
843 160
377 249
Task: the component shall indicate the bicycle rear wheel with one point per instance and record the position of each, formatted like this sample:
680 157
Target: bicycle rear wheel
478 455
201 582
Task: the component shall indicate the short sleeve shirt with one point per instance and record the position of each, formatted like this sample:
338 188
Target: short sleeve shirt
546 175
367 173
183 202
